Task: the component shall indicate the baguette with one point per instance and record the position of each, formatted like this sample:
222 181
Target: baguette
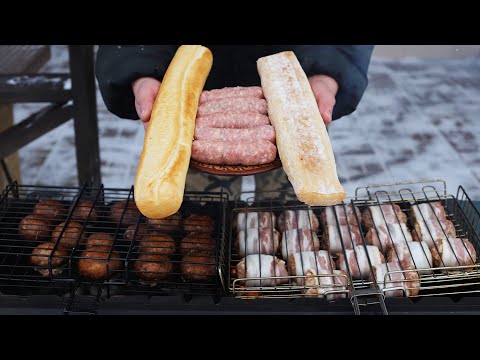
302 139
163 166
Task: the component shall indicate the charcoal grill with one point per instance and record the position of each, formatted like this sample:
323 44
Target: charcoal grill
24 290
454 282
18 276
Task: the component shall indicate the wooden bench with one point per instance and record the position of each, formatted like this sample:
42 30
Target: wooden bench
17 59
71 95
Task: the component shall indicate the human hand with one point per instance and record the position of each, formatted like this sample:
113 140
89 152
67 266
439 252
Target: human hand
145 90
324 88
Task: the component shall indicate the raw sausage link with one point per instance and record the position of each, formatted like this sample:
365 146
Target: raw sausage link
229 92
245 104
232 120
228 153
264 132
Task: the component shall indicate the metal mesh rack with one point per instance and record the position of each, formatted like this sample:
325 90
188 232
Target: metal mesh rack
61 239
454 273
452 270
293 284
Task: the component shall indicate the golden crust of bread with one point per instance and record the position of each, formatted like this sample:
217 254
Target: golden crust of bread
302 139
163 166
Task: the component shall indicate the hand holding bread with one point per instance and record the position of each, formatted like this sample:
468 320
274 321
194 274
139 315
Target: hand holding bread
300 133
163 166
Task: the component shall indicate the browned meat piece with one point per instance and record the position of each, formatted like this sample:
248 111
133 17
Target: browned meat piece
93 264
40 256
198 244
34 227
200 224
70 235
127 214
53 210
169 224
142 230
153 267
162 244
198 268
84 210
100 239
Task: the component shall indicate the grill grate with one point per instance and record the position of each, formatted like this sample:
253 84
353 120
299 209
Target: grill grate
450 275
129 252
293 284
446 278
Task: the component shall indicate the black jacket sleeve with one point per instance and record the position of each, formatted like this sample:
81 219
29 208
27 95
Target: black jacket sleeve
347 64
118 66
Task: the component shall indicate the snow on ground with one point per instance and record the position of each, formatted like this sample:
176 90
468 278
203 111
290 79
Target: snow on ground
417 120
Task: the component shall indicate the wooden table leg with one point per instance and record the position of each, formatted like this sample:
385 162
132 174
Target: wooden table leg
12 161
85 113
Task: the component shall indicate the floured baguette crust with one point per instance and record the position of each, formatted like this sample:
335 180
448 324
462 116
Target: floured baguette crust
163 166
302 139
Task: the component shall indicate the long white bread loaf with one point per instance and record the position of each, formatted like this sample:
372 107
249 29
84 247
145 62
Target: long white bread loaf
163 166
302 139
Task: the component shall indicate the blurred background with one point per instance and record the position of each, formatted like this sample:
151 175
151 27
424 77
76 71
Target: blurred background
417 120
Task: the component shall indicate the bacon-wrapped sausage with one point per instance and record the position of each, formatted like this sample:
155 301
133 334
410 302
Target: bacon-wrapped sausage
390 275
297 219
258 241
358 262
381 214
264 266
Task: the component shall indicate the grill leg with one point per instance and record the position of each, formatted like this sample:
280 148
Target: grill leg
85 113
6 172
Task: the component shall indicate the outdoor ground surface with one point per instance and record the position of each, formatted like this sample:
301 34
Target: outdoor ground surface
419 119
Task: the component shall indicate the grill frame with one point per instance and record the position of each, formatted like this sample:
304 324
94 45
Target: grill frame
108 299
459 209
281 201
366 294
17 201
